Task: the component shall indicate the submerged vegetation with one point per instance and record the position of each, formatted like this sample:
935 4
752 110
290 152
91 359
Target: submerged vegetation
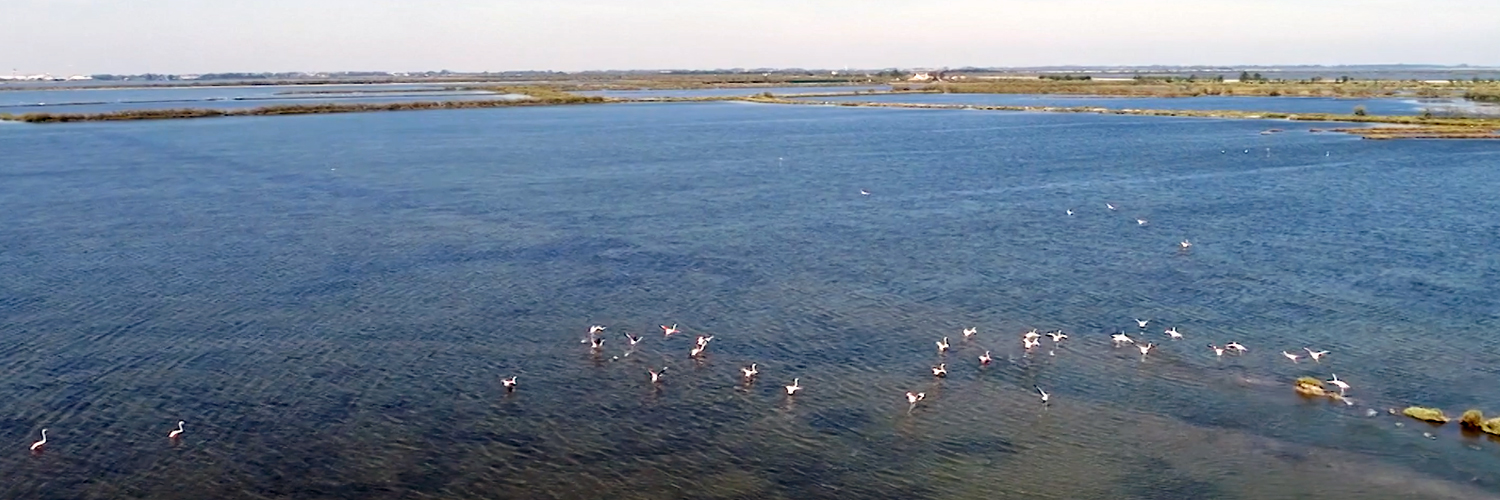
1429 414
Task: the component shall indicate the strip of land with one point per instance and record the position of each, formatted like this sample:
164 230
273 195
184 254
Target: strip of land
1401 127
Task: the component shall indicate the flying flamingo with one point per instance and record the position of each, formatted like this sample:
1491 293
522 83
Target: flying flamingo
796 386
669 330
509 383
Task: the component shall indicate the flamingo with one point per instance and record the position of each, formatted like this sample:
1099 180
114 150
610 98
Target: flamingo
1145 349
969 332
791 390
596 343
656 375
39 444
1142 323
176 433
1110 206
1172 332
1185 244
750 372
1218 351
669 330
1057 336
1030 343
913 397
509 383
1121 338
1031 335
942 345
1140 222
703 341
1237 347
864 192
984 359
1316 355
1291 356
1044 394
633 339
595 329
941 370
1343 386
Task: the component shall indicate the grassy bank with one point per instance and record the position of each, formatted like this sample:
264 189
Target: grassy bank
1410 127
1178 88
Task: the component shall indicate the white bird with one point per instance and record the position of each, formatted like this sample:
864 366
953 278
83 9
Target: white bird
1343 386
1140 222
703 341
1044 394
1031 335
1237 347
750 372
863 192
1145 349
796 386
509 383
941 370
1070 211
1121 338
1172 332
176 433
596 343
696 351
669 330
595 329
1030 343
1316 355
1110 206
633 339
1218 351
1291 356
913 397
984 359
942 345
1185 244
656 375
969 332
1057 336
39 444
1142 322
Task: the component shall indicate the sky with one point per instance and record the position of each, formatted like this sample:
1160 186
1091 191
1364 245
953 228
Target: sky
66 37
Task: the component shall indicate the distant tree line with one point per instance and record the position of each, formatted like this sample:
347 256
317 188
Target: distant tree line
1067 78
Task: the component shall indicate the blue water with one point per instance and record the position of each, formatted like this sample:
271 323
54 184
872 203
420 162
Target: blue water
330 301
121 99
1374 106
732 91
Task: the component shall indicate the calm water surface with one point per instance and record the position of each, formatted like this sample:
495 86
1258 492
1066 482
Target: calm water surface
1374 106
330 301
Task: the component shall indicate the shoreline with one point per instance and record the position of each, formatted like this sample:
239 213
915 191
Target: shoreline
1409 127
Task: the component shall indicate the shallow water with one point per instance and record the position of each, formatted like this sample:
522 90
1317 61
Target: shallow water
121 99
1374 106
329 302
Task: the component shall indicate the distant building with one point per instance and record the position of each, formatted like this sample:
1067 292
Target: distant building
921 76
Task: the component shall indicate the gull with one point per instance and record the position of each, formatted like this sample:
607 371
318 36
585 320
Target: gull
750 372
1172 332
656 375
177 432
1145 349
941 370
633 339
1185 244
1110 206
969 332
984 359
1218 351
796 386
1142 322
1057 336
1121 338
1237 347
1044 394
942 345
1140 222
913 397
39 444
1343 386
509 383
1291 356
669 330
1316 355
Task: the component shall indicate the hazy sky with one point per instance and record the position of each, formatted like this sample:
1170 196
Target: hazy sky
190 36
